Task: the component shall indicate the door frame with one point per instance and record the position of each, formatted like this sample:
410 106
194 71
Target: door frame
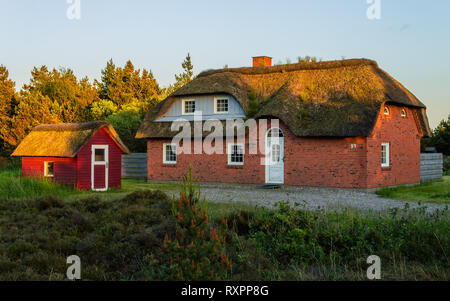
104 163
268 157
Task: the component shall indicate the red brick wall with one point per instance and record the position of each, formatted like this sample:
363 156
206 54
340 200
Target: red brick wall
84 161
65 169
403 134
322 162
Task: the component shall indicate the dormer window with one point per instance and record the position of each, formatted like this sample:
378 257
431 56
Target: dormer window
386 111
188 106
403 113
220 105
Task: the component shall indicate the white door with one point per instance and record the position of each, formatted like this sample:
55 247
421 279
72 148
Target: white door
99 167
275 157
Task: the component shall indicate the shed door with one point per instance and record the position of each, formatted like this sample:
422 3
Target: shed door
99 167
275 157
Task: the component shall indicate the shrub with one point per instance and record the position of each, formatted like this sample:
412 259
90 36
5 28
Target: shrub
126 124
194 255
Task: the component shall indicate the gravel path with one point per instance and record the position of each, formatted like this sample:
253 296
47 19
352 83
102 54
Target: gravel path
308 197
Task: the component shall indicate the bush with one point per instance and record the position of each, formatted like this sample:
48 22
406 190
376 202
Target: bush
195 255
447 164
126 124
38 235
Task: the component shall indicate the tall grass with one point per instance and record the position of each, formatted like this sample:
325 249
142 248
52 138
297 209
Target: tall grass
14 186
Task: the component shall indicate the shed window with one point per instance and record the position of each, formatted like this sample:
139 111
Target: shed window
170 154
99 155
236 154
188 106
386 111
49 169
403 113
221 105
384 154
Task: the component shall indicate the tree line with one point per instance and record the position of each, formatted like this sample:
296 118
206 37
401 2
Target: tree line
121 96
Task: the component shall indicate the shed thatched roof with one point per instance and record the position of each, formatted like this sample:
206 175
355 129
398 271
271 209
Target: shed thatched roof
63 140
324 99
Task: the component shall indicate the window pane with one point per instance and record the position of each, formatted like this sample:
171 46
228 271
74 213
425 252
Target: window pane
276 153
237 153
275 133
49 169
189 106
99 155
171 153
222 105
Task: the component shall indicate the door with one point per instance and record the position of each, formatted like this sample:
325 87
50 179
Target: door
275 157
99 167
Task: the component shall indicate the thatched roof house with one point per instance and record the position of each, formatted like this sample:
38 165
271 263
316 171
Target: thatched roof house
85 155
63 140
324 99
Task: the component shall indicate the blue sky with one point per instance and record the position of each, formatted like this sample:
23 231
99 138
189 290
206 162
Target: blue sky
411 41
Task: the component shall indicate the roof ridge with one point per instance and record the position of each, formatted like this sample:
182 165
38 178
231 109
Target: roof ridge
294 67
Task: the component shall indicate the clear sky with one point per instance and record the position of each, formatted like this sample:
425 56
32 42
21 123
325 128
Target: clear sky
411 40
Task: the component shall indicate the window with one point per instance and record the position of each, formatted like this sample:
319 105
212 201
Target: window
403 113
169 153
48 169
386 111
275 132
236 154
276 153
384 154
221 105
188 106
99 155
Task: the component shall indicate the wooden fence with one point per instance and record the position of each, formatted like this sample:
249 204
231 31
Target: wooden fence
431 166
134 165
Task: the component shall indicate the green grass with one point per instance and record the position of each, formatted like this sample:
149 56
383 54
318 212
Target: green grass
14 186
428 192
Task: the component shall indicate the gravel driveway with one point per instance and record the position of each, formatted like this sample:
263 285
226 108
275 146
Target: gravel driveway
309 197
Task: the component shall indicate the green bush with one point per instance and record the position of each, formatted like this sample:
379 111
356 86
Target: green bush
126 124
198 250
111 238
447 164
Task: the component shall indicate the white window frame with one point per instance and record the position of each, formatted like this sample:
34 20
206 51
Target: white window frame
216 98
183 106
386 111
229 148
165 161
386 145
403 113
45 169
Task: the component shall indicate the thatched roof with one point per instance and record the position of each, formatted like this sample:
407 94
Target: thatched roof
63 140
324 99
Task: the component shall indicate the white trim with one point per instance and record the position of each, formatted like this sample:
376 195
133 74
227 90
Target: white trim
105 163
403 113
165 161
229 146
45 169
183 106
215 104
387 147
267 156
386 109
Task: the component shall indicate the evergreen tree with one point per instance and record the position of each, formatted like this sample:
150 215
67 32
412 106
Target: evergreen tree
8 103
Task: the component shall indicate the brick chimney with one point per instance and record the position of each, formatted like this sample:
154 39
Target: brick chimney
262 61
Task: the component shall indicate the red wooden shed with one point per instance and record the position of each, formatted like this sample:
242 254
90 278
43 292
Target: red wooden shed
86 155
